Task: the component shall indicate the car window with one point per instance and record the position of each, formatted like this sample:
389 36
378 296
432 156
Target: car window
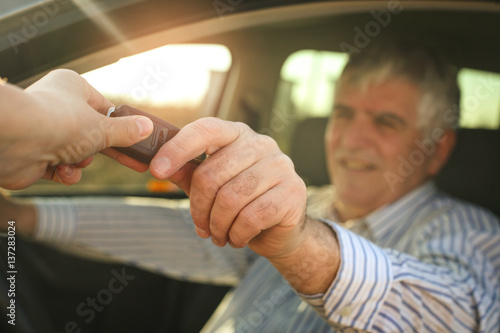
480 100
312 76
308 79
305 90
179 83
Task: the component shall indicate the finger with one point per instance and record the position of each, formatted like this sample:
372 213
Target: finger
239 192
49 172
95 99
75 86
66 174
220 168
278 208
125 160
122 131
182 178
125 131
118 132
206 135
85 163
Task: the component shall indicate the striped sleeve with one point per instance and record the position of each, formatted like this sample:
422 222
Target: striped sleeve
450 283
157 235
454 285
57 222
427 297
360 287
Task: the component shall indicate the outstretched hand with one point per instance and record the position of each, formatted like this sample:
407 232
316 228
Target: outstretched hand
245 193
54 127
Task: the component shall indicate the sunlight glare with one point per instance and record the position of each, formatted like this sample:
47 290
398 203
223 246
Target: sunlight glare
173 74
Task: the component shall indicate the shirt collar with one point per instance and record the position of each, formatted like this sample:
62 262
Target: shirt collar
399 214
381 225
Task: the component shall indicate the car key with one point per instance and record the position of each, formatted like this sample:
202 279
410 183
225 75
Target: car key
145 150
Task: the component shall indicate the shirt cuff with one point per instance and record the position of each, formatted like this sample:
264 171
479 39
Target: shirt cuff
57 221
362 283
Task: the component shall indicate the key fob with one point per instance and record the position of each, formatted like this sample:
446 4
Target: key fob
145 150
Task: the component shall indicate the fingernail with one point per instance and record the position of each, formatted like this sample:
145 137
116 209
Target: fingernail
65 169
202 233
68 171
144 125
161 166
218 242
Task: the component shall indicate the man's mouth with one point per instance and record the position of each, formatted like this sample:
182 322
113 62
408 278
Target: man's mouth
357 165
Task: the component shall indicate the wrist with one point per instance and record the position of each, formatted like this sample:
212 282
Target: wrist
313 265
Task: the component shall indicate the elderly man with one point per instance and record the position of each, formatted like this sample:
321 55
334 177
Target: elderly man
413 260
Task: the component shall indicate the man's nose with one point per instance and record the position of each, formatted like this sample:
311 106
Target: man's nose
357 134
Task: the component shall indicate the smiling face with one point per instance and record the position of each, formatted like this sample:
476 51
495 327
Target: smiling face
371 131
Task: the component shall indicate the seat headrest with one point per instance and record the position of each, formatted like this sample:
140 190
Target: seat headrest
307 151
473 170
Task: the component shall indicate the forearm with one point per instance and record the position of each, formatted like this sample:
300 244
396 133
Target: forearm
22 212
153 234
312 267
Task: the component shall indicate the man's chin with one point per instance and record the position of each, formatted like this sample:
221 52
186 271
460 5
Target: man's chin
364 196
353 196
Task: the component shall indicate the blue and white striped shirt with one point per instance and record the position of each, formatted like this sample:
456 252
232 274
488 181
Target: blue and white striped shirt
426 263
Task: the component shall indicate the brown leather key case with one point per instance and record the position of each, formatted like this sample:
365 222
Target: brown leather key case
145 150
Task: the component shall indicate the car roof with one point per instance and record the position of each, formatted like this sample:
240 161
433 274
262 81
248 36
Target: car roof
39 37
9 7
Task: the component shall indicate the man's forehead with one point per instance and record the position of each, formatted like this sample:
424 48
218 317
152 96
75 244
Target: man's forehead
393 95
363 80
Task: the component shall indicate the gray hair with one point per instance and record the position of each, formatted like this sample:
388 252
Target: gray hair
423 66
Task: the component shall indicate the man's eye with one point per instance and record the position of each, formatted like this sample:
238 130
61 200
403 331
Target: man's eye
386 122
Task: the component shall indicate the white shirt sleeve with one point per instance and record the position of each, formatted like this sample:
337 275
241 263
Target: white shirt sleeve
442 290
153 234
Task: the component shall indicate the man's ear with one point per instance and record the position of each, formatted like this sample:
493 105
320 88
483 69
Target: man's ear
444 147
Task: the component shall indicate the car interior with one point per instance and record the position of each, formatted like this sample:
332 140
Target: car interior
270 64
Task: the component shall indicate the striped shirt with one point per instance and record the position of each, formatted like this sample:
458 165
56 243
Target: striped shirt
425 263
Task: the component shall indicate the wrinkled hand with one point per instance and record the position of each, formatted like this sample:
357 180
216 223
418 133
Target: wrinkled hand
52 130
245 193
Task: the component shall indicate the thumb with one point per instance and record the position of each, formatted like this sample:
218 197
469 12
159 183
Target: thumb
126 131
183 177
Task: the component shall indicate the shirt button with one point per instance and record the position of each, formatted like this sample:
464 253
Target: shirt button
346 311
